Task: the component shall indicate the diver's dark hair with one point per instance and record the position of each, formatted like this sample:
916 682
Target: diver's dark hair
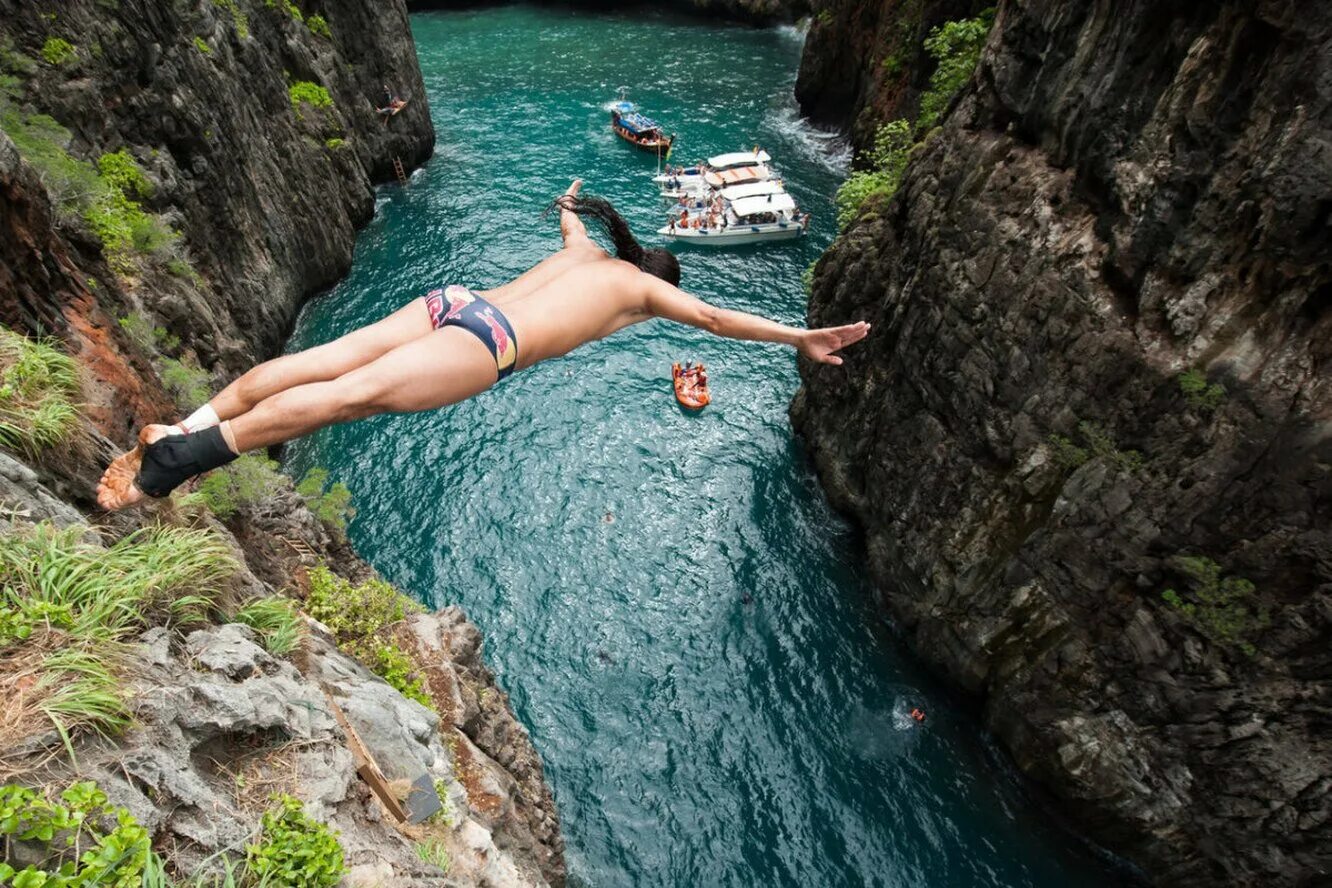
653 260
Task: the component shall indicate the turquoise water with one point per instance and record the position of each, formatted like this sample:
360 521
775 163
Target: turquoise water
677 613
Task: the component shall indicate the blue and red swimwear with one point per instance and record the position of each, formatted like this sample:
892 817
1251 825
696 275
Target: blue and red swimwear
457 306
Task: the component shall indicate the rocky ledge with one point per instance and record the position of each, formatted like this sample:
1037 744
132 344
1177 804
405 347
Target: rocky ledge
1088 439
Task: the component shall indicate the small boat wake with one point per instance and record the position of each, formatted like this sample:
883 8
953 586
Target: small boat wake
828 147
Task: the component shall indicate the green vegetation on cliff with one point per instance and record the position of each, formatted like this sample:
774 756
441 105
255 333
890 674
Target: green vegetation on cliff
294 850
78 839
955 47
357 615
39 391
67 606
1223 608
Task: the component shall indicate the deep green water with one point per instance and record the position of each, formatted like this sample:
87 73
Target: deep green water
674 608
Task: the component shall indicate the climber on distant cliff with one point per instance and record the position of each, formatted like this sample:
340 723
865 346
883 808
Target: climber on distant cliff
444 348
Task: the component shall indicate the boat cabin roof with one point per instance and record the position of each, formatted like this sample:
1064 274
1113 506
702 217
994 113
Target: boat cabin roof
738 158
764 203
751 189
737 176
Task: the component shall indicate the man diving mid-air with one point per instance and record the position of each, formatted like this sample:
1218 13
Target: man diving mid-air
445 348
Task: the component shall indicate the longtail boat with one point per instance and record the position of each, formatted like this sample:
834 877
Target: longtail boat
638 130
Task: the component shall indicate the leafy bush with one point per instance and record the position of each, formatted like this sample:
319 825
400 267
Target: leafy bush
334 144
330 503
202 45
294 851
892 145
39 387
251 478
356 615
81 839
1200 395
187 383
277 621
312 94
1221 607
319 26
120 170
434 852
956 47
293 10
1068 455
58 51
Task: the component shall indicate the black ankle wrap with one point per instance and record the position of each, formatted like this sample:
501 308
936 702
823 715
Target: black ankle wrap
173 460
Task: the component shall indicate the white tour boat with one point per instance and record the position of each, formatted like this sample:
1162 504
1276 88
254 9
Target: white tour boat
753 218
721 168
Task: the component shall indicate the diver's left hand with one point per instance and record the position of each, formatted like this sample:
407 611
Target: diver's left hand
819 345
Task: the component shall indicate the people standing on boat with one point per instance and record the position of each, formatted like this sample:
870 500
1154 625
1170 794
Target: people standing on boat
446 347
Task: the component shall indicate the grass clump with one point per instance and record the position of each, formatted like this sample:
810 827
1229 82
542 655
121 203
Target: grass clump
331 503
67 607
39 391
58 51
14 62
318 26
188 384
294 850
357 616
1222 607
143 333
303 92
277 621
434 852
1201 395
202 45
334 143
78 839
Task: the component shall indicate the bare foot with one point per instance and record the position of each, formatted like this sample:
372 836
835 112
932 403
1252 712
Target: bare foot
116 489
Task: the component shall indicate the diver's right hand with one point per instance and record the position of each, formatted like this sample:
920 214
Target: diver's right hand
574 187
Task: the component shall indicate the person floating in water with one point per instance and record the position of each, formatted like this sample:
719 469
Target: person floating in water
918 714
444 348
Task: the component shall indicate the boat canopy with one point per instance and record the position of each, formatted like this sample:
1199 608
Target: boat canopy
751 189
738 158
633 121
769 203
723 178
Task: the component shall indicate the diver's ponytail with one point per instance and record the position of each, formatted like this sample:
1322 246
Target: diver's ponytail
656 261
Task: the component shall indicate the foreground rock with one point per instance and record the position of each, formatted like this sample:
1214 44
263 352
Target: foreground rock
1099 364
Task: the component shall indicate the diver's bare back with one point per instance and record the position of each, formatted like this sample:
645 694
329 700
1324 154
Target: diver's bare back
590 297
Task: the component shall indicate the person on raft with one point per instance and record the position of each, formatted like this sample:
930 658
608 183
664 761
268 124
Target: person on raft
445 347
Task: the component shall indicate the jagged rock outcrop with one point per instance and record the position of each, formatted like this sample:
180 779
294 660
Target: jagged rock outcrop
1118 242
864 63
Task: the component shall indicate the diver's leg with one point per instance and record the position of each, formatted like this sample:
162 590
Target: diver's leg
322 362
433 371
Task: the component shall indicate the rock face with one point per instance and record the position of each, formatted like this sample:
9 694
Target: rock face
864 63
1118 241
266 197
268 209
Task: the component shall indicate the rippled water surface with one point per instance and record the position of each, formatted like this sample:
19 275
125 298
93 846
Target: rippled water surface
674 608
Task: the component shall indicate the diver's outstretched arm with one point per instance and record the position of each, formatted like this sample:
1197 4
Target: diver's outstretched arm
571 227
672 303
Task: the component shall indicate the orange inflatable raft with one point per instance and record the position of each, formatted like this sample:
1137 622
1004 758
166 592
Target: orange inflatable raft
691 386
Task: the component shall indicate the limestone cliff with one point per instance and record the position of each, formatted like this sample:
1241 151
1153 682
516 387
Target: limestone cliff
864 64
245 200
1088 439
